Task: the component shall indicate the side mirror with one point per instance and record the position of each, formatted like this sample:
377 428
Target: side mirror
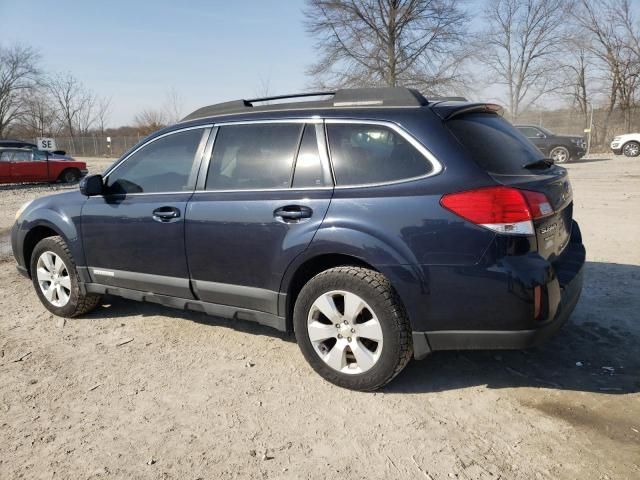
92 185
540 135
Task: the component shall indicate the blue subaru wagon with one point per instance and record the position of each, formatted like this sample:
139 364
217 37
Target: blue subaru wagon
376 224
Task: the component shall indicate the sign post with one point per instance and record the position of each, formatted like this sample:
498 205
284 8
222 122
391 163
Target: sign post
46 144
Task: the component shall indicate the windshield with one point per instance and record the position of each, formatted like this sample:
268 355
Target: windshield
493 143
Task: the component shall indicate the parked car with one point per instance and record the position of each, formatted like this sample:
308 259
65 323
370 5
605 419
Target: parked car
28 164
376 225
560 148
629 144
57 154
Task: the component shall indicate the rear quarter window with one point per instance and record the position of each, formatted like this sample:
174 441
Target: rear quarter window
364 154
493 143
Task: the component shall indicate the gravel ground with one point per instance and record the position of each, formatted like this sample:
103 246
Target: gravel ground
140 391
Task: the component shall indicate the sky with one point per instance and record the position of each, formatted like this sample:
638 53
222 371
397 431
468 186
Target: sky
135 52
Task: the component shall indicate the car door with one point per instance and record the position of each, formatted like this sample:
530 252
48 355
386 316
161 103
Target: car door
261 198
133 235
27 167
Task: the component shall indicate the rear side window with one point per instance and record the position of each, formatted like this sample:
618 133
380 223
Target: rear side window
308 173
493 143
250 157
365 154
163 165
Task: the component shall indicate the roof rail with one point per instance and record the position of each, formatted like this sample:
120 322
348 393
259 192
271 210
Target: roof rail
344 98
282 97
448 99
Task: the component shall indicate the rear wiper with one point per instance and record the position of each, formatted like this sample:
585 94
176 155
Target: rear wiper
541 163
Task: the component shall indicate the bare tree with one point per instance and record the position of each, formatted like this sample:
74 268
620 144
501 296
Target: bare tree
150 120
18 75
103 111
415 43
579 77
522 43
39 118
614 40
173 106
74 104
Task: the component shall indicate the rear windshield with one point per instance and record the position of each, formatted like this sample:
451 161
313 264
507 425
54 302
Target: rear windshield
494 144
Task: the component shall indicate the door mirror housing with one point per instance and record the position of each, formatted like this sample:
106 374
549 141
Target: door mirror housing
92 185
540 135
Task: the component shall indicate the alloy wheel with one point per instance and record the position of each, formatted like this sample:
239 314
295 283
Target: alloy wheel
53 279
559 155
345 332
632 149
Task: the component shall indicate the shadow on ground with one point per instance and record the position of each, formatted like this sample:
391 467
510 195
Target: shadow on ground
594 352
38 186
591 160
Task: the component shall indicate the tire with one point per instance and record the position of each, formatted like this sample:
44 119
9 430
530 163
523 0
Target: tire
631 149
70 175
560 154
378 314
61 282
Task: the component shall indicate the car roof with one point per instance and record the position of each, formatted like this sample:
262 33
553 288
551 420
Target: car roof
17 144
339 99
351 101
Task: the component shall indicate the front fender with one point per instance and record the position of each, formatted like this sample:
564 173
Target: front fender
58 213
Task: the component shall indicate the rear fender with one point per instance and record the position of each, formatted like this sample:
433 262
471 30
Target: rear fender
406 278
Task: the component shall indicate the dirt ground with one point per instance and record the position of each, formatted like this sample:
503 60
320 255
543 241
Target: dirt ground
141 391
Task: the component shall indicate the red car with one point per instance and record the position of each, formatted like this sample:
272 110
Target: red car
26 164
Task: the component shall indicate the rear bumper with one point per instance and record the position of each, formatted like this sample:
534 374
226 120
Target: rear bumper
564 290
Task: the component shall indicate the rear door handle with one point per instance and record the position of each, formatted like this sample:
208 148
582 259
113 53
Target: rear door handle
293 213
166 214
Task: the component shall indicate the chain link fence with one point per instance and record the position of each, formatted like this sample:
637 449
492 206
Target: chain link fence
96 146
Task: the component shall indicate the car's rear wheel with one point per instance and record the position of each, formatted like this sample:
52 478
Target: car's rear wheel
631 149
56 281
560 154
70 175
352 328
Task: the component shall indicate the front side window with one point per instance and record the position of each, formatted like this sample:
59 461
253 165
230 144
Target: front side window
163 165
366 154
253 156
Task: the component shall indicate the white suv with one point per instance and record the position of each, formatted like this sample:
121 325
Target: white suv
628 144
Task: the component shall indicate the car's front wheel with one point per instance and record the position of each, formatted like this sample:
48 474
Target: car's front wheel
560 154
631 149
352 328
56 281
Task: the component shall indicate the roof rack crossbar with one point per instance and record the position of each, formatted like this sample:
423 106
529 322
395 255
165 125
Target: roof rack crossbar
282 97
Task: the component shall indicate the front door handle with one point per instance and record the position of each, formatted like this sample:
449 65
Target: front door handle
293 213
166 214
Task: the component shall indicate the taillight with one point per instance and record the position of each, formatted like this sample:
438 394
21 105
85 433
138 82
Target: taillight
501 209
